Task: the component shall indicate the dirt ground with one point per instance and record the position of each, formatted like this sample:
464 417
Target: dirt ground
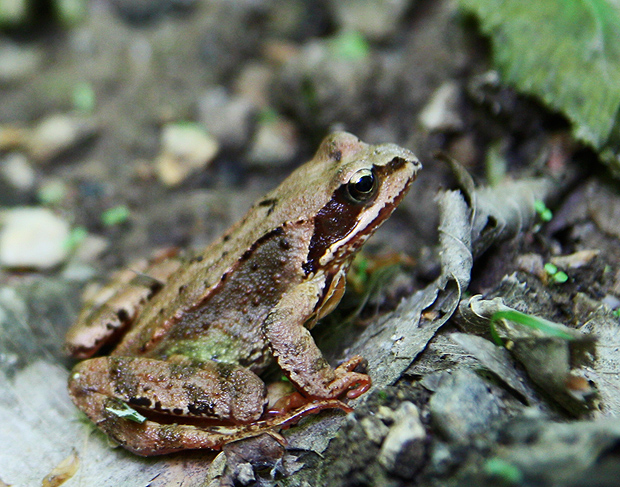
157 124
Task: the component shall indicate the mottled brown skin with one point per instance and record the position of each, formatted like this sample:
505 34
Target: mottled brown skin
196 334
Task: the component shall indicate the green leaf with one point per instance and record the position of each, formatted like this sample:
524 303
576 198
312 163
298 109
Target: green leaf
566 52
349 46
506 471
127 413
115 216
547 327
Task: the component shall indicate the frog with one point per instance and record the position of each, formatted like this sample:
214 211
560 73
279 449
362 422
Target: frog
183 340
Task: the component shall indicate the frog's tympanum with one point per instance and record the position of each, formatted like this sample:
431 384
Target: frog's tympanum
183 341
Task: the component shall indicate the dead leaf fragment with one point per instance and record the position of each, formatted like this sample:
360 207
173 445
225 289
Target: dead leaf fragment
62 472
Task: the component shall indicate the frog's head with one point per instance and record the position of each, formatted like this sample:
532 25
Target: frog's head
362 185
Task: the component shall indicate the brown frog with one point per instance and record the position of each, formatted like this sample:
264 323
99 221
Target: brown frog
193 336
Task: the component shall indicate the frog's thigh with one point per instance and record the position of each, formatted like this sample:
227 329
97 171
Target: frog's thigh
213 390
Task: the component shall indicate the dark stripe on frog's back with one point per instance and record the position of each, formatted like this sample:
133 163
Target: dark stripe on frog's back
229 318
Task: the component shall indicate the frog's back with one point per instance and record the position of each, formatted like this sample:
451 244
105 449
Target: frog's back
226 324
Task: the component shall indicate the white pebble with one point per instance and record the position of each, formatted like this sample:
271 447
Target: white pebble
33 238
186 148
17 171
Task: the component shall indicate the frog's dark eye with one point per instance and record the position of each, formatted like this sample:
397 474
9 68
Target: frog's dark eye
362 186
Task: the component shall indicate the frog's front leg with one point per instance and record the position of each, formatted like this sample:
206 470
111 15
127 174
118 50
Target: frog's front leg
297 354
175 391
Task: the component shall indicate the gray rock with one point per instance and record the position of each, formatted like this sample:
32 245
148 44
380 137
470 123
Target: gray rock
403 450
17 62
274 143
376 19
227 117
464 406
58 133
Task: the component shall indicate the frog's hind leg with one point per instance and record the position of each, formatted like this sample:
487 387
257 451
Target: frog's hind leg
117 303
167 393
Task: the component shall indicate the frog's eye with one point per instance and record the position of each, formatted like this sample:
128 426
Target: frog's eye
362 186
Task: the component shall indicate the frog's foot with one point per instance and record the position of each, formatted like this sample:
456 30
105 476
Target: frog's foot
281 418
353 383
292 403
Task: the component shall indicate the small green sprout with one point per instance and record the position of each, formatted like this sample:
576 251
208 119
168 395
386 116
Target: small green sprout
557 275
115 216
127 413
544 213
268 115
358 277
52 192
535 322
350 46
76 237
382 395
84 98
616 312
504 470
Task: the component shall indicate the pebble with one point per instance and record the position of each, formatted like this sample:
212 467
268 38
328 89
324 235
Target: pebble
274 143
227 117
253 83
375 19
33 238
18 62
463 406
17 171
575 260
441 113
375 429
12 137
186 148
403 450
58 133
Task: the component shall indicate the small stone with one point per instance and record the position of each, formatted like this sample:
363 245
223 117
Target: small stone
33 238
245 474
441 113
374 428
12 137
403 450
464 406
385 414
186 148
376 19
253 83
18 62
275 142
17 171
90 248
227 117
531 263
57 134
575 260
